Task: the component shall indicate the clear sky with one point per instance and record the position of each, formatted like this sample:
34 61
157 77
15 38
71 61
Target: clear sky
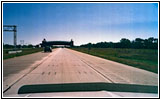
82 22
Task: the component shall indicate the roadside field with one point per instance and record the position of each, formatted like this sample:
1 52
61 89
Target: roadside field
25 51
141 58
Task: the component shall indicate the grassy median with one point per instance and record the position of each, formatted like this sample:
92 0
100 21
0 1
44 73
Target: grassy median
25 51
141 58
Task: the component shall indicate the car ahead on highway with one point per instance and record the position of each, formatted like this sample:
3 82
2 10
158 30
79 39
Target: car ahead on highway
96 89
47 49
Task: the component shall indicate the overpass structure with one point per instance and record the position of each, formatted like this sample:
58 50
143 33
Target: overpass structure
50 43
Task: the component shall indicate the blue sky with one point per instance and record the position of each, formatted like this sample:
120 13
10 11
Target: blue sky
82 22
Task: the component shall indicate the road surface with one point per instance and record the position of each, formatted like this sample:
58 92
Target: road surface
68 66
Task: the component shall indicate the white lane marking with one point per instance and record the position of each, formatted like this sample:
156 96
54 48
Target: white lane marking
95 70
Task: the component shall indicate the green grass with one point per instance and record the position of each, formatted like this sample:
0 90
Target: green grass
141 58
25 51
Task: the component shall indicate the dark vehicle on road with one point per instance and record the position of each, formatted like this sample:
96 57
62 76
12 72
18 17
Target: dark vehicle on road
47 49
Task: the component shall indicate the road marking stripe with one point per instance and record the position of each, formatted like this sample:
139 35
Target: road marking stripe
98 72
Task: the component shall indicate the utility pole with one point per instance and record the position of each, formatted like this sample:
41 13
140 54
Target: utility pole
11 28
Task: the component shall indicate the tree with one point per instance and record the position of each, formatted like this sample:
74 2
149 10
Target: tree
125 43
151 40
89 47
152 43
8 46
30 46
138 43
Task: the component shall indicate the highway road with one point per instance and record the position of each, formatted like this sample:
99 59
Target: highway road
68 66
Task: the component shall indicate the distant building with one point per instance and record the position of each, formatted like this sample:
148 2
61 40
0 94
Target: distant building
57 43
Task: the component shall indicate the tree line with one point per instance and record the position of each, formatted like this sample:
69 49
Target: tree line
8 46
138 43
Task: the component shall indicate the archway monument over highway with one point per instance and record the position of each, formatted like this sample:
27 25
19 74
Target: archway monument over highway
50 43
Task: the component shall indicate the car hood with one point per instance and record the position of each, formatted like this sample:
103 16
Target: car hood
97 89
95 94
